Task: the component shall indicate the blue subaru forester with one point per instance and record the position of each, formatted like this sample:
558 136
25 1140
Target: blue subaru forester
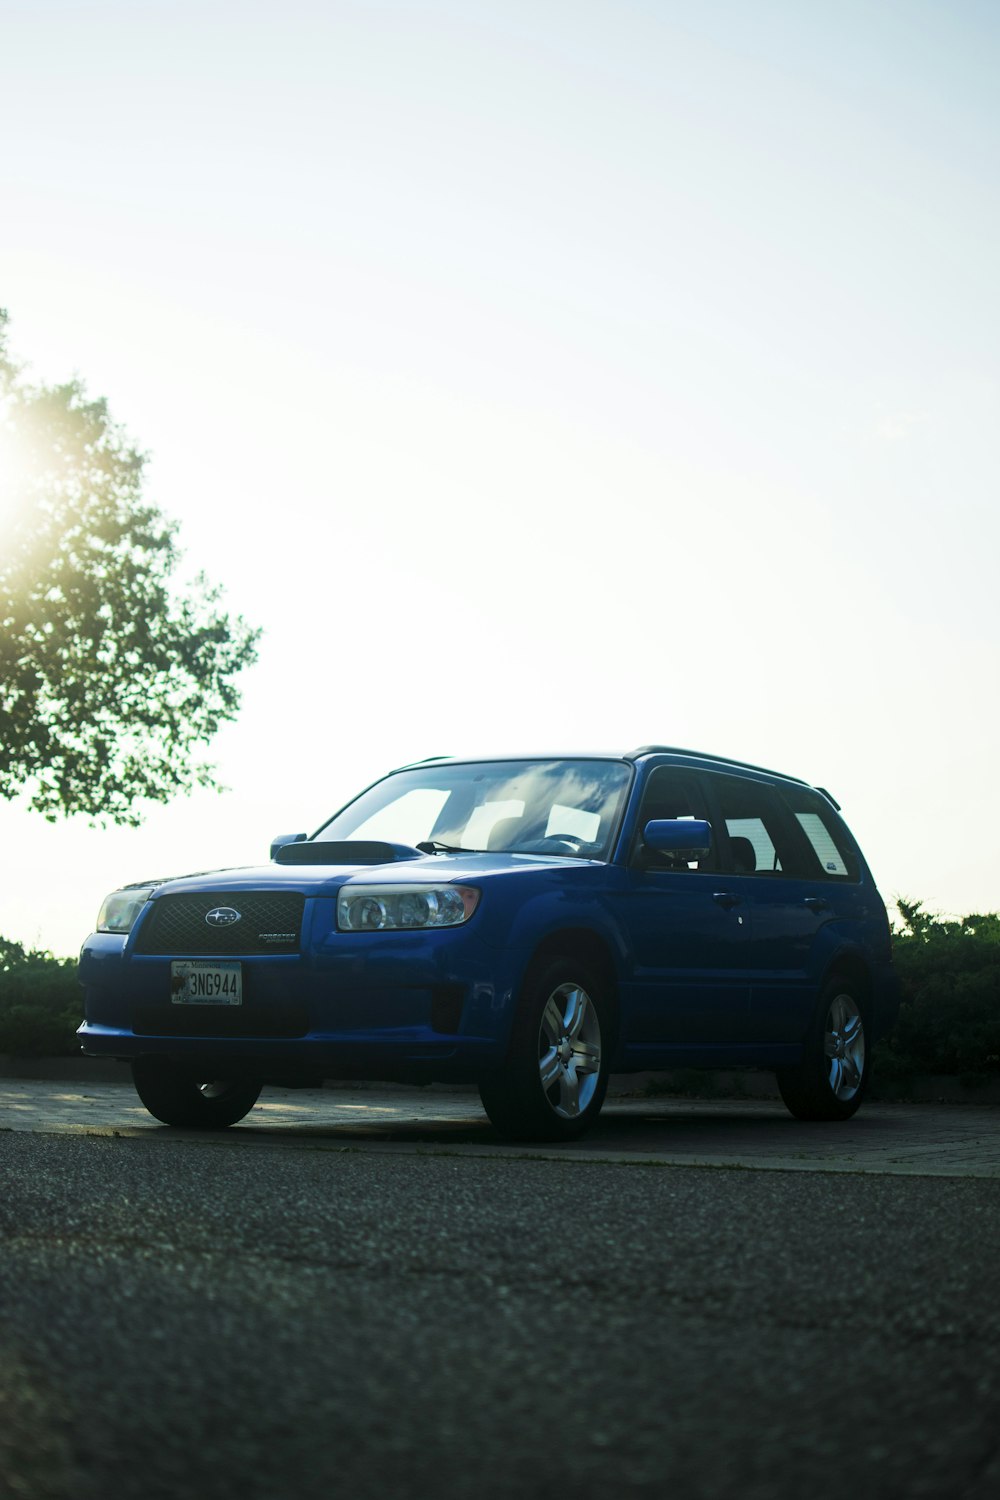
529 925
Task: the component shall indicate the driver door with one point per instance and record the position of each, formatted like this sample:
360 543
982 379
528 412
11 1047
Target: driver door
689 934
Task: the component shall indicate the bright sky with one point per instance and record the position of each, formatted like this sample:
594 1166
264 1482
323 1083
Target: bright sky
541 374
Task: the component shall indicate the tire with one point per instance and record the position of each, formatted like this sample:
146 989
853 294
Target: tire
831 1081
553 1082
172 1093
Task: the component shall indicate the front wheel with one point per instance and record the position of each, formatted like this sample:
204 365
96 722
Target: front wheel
553 1083
174 1094
831 1080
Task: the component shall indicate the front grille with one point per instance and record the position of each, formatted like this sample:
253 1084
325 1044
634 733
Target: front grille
220 1020
270 922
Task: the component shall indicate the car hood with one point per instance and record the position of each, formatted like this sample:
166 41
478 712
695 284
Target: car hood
319 879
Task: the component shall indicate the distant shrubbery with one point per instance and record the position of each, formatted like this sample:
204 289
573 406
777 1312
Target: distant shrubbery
949 974
949 1020
41 1003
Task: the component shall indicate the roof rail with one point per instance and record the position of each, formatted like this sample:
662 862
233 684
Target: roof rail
724 760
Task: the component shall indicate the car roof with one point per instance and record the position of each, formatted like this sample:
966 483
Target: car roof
677 753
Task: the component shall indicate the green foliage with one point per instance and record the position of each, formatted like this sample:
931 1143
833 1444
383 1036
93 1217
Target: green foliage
949 974
109 681
41 1003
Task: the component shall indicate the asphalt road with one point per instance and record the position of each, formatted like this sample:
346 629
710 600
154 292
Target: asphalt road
257 1316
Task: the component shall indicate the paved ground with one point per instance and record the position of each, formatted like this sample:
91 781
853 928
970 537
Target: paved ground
896 1139
310 1311
366 1292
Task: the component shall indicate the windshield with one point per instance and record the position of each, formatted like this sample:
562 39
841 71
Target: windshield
561 807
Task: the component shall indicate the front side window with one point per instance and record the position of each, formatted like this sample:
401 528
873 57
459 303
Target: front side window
563 807
670 793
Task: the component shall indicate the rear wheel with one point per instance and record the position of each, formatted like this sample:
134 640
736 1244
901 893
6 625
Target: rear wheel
176 1095
832 1079
554 1080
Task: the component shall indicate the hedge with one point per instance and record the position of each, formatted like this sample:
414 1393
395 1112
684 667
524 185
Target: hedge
41 1002
949 1018
949 974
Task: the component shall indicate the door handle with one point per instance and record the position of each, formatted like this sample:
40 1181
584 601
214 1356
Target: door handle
815 903
726 899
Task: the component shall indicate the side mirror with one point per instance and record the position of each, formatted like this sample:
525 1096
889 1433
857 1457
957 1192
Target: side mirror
286 838
690 838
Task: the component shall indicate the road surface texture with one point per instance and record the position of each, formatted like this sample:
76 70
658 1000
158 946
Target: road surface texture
393 1303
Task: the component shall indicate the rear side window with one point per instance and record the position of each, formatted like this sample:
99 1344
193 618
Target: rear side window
763 837
825 833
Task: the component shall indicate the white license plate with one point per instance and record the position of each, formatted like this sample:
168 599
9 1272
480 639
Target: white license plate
213 983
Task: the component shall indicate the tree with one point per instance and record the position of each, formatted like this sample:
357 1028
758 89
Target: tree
110 678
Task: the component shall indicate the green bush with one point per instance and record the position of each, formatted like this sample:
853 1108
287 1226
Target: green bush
949 973
41 1003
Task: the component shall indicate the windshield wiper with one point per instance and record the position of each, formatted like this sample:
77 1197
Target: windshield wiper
435 846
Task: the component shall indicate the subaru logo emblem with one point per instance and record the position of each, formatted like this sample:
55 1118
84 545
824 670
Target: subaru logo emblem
223 916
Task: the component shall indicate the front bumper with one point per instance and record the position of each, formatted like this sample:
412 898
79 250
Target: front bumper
430 1005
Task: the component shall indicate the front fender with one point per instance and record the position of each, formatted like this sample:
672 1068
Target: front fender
538 919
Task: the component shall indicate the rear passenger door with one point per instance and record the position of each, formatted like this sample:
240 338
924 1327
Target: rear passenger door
770 863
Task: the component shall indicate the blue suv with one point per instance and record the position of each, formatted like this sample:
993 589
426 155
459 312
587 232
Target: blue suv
527 925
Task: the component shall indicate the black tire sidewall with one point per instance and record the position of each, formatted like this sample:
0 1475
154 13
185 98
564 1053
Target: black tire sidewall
513 1098
806 1088
171 1092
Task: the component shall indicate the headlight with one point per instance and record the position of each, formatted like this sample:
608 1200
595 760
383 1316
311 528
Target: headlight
119 910
376 908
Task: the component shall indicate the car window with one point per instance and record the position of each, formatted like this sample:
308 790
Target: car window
406 820
825 833
762 856
670 793
560 807
763 839
573 822
478 831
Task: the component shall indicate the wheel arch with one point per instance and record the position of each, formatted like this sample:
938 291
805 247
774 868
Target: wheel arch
851 966
591 949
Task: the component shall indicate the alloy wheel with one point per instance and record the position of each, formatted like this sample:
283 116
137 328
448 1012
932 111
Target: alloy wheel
844 1045
569 1050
